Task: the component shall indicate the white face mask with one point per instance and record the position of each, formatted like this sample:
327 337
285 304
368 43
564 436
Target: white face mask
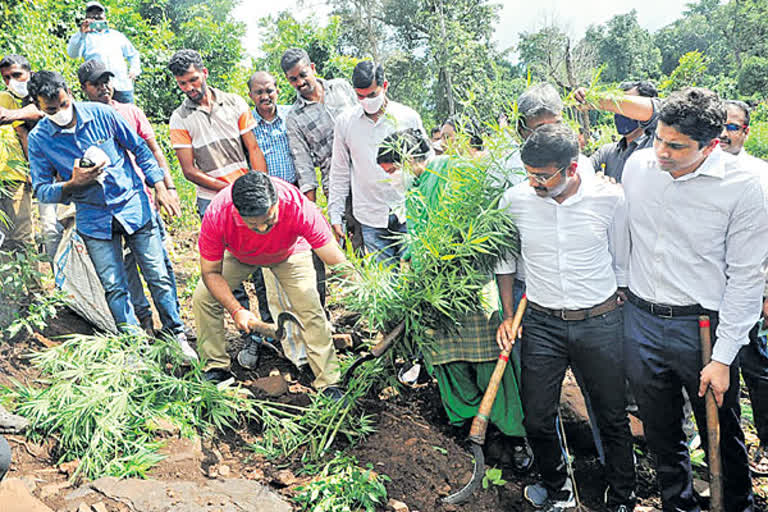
62 117
19 89
372 105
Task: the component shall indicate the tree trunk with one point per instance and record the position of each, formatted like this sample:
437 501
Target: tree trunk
444 65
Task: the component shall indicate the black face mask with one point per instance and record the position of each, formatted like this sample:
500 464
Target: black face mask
624 125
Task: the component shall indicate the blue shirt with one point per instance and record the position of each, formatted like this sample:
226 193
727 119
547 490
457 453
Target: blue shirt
273 142
53 151
113 49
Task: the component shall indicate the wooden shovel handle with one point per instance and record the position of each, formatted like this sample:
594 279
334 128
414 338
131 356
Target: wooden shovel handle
480 423
713 423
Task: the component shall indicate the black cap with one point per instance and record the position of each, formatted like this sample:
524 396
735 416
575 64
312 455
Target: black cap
91 71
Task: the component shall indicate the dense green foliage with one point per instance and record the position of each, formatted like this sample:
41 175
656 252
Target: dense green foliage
41 29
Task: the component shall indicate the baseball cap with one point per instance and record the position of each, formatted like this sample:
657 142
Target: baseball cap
94 5
91 71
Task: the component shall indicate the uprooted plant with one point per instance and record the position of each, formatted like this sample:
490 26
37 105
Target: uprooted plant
101 397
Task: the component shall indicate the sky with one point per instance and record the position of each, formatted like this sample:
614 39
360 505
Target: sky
516 15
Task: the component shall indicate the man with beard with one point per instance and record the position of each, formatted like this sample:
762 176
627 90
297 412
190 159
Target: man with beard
574 246
209 130
699 229
263 222
753 358
96 83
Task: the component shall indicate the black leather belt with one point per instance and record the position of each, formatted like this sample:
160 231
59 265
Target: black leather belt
604 307
667 311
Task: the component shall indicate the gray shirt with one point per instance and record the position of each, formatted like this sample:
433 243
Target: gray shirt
610 158
310 131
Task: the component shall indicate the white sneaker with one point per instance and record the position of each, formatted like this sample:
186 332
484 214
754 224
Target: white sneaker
186 349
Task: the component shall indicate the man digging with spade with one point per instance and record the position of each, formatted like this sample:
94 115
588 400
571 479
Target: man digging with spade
262 222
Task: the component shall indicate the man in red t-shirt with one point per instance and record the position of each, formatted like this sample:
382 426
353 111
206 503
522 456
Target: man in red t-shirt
262 221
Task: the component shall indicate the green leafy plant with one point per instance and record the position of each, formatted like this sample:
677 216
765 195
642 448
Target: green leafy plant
311 431
493 477
41 311
343 486
100 397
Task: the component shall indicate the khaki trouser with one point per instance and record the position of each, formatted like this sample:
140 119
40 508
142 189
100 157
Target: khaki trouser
18 208
291 286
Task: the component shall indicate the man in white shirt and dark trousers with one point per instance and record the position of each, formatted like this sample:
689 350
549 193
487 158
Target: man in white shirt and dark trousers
377 203
574 249
699 229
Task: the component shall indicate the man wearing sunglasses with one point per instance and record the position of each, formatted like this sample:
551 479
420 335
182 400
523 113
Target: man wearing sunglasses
753 358
574 247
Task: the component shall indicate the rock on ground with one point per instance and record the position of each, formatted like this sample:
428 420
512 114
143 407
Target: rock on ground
233 495
15 497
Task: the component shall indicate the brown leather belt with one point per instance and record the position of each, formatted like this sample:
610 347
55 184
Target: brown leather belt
576 315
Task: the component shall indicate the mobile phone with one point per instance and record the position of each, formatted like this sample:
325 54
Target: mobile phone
98 25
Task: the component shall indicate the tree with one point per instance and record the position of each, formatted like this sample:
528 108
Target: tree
626 49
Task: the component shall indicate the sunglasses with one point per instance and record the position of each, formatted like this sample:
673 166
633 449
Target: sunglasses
733 127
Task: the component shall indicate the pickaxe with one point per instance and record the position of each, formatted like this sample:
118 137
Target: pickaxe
480 423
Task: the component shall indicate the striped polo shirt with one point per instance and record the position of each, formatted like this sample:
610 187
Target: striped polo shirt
214 136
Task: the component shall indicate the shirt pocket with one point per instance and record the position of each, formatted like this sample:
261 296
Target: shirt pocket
708 234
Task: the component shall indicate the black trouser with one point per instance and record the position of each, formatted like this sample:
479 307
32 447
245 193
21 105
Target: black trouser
664 356
593 347
753 360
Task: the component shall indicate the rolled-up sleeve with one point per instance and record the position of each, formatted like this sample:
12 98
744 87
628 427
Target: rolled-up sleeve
339 175
302 158
618 242
745 252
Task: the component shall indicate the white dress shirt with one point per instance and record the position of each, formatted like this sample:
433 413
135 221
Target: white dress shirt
699 239
355 146
514 173
574 253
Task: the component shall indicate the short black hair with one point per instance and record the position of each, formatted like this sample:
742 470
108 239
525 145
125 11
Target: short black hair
11 59
183 59
696 112
46 84
293 56
253 194
645 88
550 144
736 103
366 73
403 145
434 130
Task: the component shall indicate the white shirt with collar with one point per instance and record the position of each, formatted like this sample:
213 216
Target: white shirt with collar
574 253
699 239
514 173
353 165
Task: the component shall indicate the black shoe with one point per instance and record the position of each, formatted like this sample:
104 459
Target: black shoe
522 457
218 376
333 392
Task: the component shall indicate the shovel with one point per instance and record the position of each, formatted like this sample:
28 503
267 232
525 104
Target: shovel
377 351
713 424
276 332
480 423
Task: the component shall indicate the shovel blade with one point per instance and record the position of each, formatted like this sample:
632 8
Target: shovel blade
478 471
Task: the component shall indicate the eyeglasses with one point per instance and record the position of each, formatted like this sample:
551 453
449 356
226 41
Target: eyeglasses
543 180
733 127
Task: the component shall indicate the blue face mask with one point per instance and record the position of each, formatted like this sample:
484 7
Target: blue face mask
624 125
